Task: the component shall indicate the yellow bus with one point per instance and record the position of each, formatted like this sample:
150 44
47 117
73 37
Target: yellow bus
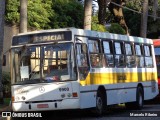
77 69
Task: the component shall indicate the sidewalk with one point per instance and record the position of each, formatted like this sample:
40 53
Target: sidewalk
4 108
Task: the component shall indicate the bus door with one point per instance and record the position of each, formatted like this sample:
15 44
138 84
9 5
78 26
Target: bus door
83 73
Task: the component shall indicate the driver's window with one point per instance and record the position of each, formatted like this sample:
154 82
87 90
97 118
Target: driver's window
81 56
82 60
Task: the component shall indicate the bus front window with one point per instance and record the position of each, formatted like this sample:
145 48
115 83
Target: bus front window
45 63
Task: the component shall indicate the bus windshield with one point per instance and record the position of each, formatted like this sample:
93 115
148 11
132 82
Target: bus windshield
43 63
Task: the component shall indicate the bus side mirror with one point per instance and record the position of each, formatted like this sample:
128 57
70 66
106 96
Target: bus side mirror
4 60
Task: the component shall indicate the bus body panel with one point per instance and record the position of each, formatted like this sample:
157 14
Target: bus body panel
87 97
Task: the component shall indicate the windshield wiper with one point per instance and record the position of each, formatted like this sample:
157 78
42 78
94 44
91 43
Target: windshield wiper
32 71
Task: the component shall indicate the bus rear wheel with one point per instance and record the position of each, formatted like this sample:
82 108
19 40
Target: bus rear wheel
139 99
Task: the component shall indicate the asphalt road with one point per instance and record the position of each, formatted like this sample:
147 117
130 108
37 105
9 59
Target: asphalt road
149 112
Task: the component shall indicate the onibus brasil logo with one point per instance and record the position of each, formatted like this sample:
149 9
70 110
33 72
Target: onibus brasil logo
24 114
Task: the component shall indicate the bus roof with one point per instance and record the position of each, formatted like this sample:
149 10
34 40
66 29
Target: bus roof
29 37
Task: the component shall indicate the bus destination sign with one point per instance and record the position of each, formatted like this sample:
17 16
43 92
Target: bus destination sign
41 37
49 37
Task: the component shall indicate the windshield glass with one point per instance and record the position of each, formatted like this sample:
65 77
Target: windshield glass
45 63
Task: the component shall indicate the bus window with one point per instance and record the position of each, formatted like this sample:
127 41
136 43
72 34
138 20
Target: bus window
82 60
119 54
108 53
148 57
139 56
130 59
58 62
96 57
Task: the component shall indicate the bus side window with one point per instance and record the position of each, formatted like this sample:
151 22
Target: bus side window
96 58
148 56
82 60
139 56
108 53
130 58
119 54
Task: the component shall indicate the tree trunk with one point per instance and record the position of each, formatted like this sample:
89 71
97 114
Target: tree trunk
144 18
155 8
23 16
117 11
2 11
87 14
102 11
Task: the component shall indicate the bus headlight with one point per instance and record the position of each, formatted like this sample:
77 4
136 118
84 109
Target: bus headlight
63 95
23 98
69 95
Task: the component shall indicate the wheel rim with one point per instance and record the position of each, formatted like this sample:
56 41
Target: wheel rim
99 104
140 100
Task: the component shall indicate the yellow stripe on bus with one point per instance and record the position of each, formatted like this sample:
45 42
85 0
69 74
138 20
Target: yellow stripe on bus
113 78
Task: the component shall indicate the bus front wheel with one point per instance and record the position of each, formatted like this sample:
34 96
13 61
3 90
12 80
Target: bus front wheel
100 103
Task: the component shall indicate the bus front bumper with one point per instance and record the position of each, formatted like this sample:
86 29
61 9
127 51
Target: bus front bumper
45 106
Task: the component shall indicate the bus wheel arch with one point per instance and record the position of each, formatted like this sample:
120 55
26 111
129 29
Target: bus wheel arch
101 101
138 104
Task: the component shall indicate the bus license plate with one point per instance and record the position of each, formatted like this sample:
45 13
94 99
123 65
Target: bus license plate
42 106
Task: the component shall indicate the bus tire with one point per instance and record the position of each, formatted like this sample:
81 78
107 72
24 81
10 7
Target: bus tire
139 98
100 103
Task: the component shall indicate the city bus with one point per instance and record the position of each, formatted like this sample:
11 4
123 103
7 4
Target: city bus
71 68
156 43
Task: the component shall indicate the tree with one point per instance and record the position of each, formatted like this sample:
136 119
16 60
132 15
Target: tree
67 13
23 16
12 12
144 19
96 26
115 7
116 28
133 18
102 11
39 13
2 11
87 14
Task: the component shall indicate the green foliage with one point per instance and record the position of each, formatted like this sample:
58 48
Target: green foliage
133 22
12 11
133 19
68 13
6 81
96 26
45 14
116 28
39 12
